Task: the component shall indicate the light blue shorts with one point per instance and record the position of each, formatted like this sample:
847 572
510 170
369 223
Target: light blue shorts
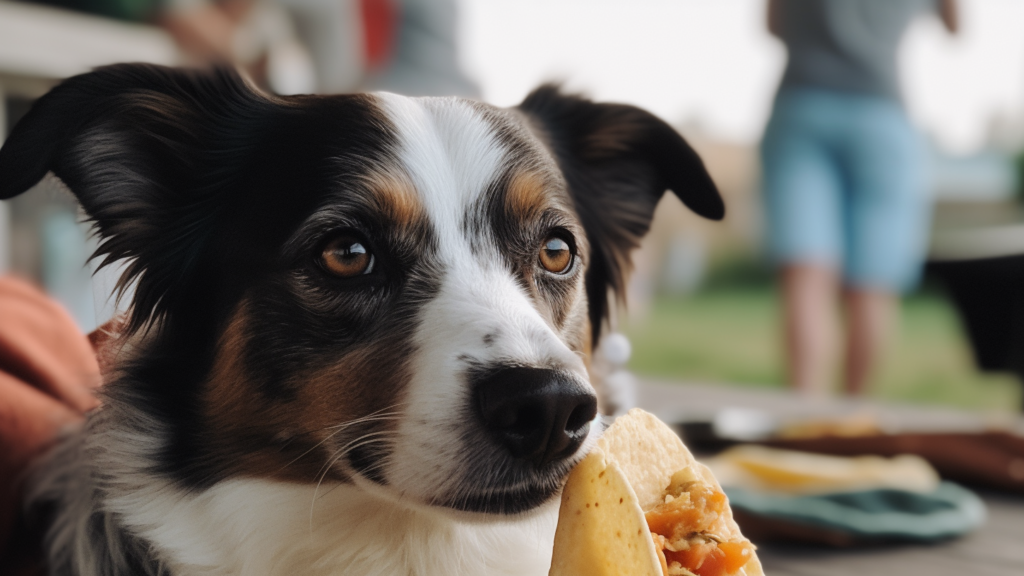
845 187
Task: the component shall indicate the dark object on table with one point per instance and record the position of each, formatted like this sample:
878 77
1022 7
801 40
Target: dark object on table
989 296
869 517
701 437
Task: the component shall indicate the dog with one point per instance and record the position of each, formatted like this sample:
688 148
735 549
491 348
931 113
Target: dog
361 324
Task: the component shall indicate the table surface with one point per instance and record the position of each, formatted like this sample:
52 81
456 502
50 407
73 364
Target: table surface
996 549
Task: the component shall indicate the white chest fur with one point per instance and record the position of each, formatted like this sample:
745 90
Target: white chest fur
261 527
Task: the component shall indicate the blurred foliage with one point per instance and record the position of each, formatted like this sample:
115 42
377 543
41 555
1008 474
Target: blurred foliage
737 270
730 332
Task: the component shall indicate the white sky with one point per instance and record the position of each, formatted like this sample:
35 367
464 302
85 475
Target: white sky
711 62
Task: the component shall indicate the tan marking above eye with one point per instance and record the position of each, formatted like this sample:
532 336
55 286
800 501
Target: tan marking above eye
527 195
346 256
556 255
395 196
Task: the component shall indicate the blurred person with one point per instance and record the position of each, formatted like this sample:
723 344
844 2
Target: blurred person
288 46
845 192
403 46
425 58
322 46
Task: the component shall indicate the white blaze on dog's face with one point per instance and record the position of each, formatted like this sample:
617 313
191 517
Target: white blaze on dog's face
394 292
499 320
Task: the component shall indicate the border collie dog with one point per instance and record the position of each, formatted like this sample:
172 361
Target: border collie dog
361 327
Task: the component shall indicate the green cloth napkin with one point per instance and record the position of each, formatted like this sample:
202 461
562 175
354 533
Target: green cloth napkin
890 515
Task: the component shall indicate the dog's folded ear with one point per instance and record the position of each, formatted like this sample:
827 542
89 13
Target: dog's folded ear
618 160
133 143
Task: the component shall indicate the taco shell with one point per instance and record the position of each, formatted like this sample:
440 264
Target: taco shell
602 530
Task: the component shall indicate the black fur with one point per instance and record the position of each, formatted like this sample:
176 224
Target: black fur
197 180
618 160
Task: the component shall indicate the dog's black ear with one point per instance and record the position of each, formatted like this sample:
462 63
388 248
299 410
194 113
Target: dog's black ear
618 161
135 143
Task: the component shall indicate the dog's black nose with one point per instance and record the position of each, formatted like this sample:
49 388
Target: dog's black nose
539 415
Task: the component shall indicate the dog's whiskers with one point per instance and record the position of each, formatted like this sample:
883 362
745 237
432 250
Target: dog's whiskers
376 414
366 439
344 450
379 415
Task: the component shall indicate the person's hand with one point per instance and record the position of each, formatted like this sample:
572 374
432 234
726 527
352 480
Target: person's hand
48 373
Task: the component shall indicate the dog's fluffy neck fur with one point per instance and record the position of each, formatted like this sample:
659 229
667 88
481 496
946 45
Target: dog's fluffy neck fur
116 517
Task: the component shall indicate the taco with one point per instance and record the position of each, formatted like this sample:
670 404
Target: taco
640 505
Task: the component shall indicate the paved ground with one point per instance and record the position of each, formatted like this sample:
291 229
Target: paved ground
996 549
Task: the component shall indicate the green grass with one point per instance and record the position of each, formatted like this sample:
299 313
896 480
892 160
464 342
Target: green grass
732 335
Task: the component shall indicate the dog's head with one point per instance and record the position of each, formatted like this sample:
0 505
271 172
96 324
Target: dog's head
396 292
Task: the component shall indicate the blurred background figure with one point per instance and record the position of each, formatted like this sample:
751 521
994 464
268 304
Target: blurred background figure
307 46
328 46
845 191
703 304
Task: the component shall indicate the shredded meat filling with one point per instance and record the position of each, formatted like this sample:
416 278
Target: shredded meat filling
687 529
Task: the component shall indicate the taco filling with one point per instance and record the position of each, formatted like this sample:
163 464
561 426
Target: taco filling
688 530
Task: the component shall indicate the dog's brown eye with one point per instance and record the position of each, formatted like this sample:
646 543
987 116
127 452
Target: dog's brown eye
556 255
346 256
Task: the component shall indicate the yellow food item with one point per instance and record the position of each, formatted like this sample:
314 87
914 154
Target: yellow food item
859 424
789 472
599 514
640 505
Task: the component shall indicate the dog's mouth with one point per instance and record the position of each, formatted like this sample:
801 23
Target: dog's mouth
502 490
513 492
476 497
508 501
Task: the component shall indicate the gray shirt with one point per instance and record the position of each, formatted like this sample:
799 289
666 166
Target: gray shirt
846 45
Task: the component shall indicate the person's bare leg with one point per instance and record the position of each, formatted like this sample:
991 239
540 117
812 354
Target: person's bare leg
869 322
809 294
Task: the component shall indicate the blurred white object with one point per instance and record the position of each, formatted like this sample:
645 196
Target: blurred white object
744 424
616 349
290 69
618 393
616 386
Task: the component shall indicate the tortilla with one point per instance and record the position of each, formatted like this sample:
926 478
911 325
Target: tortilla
599 512
601 529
